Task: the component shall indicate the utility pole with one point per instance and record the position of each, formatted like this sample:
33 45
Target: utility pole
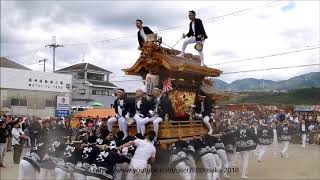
44 64
54 46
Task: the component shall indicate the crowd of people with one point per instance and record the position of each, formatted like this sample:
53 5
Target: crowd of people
90 150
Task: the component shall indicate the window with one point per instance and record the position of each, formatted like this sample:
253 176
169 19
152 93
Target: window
40 81
45 81
82 91
81 75
50 103
30 80
61 83
98 92
98 77
19 102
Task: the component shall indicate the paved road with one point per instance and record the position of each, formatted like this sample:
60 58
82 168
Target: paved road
301 164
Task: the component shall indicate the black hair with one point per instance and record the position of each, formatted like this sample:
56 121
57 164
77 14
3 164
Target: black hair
120 134
104 132
139 136
151 135
192 11
139 20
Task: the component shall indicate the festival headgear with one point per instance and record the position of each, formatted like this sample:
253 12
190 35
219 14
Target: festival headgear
201 94
120 90
157 88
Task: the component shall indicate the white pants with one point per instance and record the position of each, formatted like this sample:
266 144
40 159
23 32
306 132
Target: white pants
149 173
261 149
119 171
181 169
78 176
192 164
46 174
61 174
3 149
275 148
285 147
26 171
208 162
141 123
230 158
244 159
192 40
218 162
156 120
92 178
223 156
304 137
122 122
206 120
140 174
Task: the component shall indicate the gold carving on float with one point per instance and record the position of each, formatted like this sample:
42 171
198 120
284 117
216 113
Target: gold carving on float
181 102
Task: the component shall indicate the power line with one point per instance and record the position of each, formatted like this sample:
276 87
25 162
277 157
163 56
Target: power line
273 68
266 56
243 71
181 26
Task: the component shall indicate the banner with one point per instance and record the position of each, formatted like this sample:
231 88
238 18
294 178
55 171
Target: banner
151 82
303 108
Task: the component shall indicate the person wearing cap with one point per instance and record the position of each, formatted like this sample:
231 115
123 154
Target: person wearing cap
161 107
264 135
18 137
124 109
285 132
196 34
245 142
203 108
141 109
3 141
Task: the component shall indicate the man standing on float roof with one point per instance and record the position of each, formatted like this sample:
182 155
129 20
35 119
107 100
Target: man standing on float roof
196 34
142 33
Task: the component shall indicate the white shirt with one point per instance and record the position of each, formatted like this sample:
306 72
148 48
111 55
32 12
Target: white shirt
143 34
144 151
193 28
16 133
303 127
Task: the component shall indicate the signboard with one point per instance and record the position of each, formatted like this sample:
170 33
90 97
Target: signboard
62 113
62 101
151 82
302 108
62 109
34 80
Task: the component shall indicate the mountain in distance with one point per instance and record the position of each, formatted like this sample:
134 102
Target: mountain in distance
303 81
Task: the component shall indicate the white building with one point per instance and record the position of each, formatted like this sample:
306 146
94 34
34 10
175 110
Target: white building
32 93
90 84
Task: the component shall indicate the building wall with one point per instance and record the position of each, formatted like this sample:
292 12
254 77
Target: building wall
38 103
32 93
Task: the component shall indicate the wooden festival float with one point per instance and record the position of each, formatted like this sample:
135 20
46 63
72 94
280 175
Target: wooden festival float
158 65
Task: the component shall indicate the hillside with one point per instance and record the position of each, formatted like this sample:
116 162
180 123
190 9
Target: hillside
303 81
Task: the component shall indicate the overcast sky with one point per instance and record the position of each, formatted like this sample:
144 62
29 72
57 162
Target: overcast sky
27 26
